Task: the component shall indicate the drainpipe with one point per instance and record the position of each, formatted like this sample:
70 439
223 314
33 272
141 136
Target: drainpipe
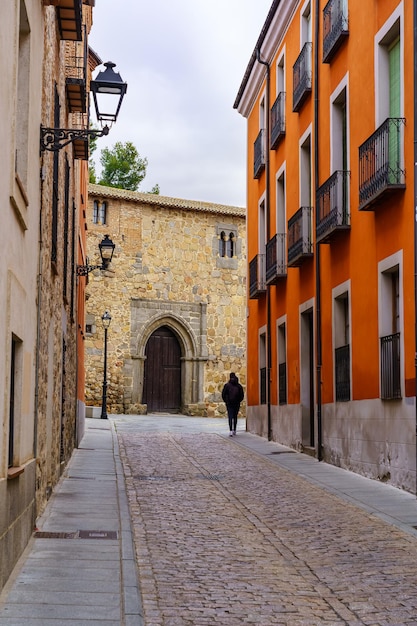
317 255
415 208
38 317
268 221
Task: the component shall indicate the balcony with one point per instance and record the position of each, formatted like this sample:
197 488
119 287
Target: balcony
276 262
300 244
332 206
335 27
390 367
257 284
380 163
302 76
259 154
278 120
76 76
80 121
342 373
69 15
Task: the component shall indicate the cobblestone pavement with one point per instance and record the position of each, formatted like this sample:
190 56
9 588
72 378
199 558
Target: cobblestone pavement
224 536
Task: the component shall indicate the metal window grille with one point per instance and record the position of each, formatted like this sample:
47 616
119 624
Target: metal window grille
390 367
342 373
263 385
282 383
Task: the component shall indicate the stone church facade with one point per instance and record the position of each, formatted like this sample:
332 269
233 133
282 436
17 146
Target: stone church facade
176 292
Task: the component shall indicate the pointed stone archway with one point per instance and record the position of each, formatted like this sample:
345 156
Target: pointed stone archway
162 372
187 323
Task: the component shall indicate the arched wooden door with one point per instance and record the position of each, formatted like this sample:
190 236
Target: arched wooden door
162 375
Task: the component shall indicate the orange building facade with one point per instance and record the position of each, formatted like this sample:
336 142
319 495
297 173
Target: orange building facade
328 97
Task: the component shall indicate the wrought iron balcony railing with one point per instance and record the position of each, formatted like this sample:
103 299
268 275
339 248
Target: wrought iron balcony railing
342 373
259 154
278 120
390 367
282 383
300 244
381 163
257 284
335 27
332 212
302 76
276 258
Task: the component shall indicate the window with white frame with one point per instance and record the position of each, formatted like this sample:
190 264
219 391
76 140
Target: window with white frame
339 130
278 122
23 83
281 222
306 27
14 400
281 74
259 147
282 363
262 369
305 172
390 327
342 366
389 64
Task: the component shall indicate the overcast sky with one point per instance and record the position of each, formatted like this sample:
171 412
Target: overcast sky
184 61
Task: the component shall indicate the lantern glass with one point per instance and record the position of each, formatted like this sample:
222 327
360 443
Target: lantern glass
108 91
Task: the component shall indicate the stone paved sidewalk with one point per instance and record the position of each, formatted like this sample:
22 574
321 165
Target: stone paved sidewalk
224 536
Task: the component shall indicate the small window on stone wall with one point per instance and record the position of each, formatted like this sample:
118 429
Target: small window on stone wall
226 245
90 324
100 213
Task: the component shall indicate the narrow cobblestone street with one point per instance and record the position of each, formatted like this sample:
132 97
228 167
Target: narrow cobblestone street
224 536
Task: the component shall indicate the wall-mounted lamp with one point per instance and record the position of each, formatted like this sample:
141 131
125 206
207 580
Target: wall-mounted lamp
106 247
108 83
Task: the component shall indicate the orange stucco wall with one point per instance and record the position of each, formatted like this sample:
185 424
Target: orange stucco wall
353 256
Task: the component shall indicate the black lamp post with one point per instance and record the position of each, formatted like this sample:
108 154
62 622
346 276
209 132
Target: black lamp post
106 247
108 83
106 319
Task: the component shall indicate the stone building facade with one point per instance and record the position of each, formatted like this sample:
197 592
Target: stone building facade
176 291
45 82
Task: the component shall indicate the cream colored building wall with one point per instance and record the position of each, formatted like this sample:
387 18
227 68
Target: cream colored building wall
20 104
166 266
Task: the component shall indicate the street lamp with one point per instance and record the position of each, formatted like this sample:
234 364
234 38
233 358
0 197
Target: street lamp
108 83
106 319
106 247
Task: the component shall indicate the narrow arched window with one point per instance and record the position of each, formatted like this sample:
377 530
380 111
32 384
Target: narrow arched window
102 218
222 244
230 246
95 212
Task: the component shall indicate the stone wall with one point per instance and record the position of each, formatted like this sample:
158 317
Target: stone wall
166 271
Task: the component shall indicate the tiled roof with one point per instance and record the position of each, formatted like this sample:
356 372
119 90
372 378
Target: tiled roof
164 201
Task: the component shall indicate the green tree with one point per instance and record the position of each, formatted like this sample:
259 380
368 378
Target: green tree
154 190
123 167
